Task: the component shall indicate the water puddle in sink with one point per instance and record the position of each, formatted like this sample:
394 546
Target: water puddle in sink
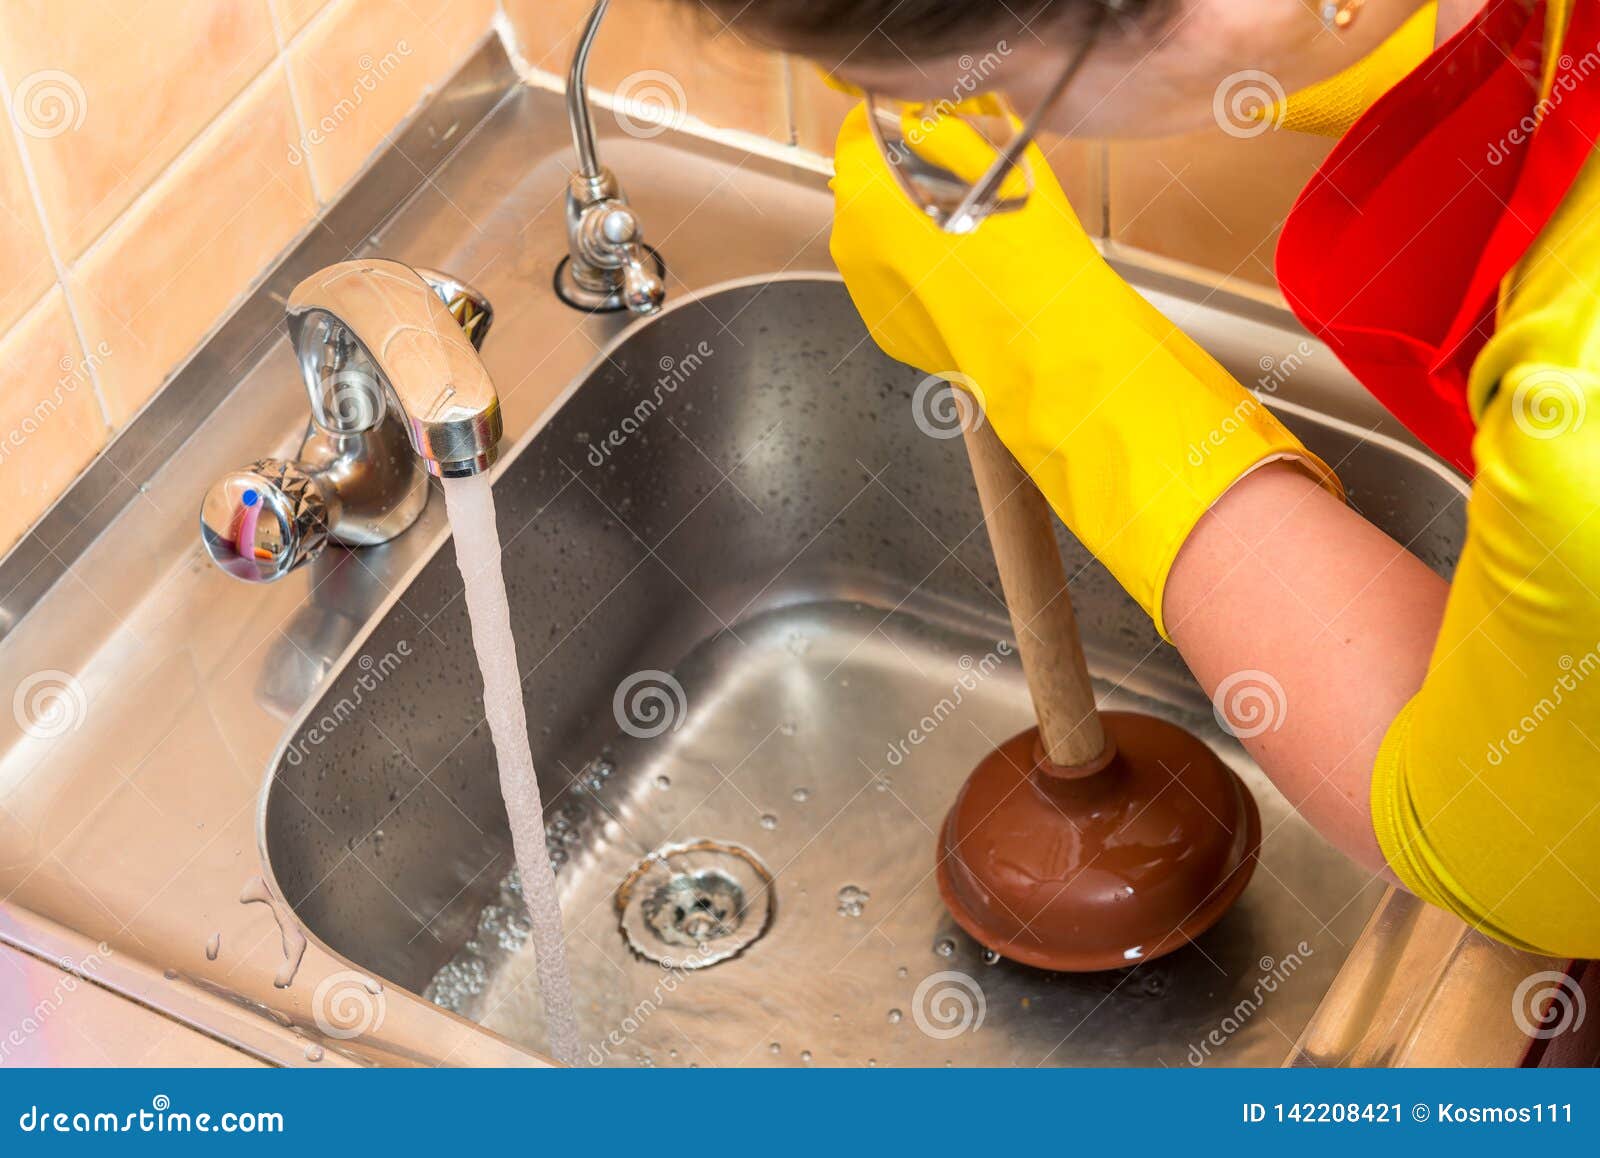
470 503
294 941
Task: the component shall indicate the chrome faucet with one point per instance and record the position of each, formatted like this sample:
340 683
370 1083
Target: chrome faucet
389 355
608 267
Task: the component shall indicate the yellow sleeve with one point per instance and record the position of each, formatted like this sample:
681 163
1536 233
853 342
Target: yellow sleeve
1486 794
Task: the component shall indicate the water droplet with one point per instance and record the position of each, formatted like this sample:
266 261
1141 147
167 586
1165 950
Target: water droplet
883 782
663 782
314 1053
990 957
788 728
895 1016
805 1056
872 1063
945 947
769 821
213 946
902 972
801 795
775 1047
798 643
853 901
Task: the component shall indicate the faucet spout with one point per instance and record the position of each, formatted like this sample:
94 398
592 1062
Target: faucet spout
371 335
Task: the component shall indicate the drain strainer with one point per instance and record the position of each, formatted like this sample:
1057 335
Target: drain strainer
688 906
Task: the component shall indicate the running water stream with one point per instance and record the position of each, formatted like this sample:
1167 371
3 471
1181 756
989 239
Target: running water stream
470 503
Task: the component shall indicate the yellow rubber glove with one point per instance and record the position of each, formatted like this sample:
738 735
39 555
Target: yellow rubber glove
1129 428
1486 794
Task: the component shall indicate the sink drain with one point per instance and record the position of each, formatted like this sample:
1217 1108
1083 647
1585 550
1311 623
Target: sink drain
692 905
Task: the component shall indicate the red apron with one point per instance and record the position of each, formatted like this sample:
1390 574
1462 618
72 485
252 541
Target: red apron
1395 252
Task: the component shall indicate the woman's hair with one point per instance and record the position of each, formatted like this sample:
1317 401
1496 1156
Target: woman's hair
893 29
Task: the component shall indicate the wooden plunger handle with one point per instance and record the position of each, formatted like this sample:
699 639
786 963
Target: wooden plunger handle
1022 533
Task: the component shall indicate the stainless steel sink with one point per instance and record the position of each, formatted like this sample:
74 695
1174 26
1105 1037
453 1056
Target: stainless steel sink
755 606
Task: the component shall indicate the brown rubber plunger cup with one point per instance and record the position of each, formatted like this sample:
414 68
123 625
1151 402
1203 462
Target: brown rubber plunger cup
1095 840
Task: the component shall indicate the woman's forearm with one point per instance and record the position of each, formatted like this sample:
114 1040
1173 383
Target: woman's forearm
1316 628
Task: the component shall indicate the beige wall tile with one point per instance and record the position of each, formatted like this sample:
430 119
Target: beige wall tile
294 14
118 88
1211 199
25 267
169 269
819 110
50 422
364 65
546 30
665 56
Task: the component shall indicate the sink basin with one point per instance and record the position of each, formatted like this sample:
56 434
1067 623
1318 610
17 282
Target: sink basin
757 615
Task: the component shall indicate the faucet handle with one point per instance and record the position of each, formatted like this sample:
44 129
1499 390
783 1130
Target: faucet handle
643 287
262 522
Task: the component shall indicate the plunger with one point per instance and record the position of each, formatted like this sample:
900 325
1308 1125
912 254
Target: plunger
1095 840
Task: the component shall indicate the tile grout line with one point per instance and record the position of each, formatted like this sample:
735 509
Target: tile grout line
36 195
294 93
